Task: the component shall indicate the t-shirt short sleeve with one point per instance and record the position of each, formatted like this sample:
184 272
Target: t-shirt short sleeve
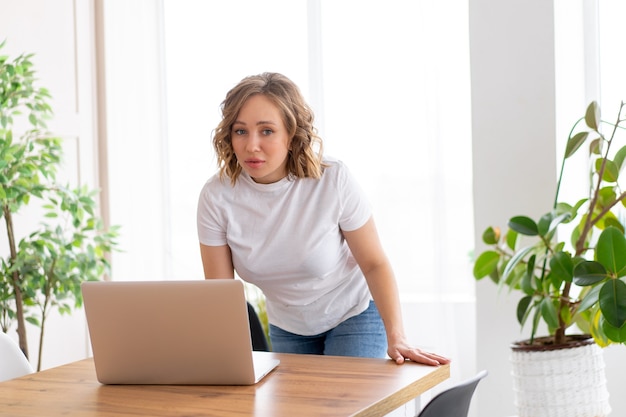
211 223
356 208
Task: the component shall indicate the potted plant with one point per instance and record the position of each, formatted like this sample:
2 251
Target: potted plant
43 269
569 266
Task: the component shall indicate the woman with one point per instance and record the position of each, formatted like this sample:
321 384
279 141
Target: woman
298 226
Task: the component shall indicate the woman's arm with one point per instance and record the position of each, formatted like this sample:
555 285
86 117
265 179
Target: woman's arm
217 262
369 254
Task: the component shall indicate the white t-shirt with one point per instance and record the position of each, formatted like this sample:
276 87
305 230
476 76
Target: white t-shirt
286 239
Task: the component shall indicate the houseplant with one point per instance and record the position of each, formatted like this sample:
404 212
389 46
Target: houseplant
43 269
569 265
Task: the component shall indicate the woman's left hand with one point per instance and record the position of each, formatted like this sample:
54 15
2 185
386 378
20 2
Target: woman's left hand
401 351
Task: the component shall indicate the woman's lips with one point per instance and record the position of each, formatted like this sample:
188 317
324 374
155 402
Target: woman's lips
254 163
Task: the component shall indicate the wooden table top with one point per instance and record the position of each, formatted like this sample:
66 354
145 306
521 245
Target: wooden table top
302 385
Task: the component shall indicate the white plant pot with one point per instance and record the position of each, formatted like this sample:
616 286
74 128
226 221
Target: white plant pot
560 381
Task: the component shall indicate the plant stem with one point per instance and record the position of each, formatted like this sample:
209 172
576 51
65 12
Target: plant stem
560 180
41 334
559 334
44 309
15 279
590 221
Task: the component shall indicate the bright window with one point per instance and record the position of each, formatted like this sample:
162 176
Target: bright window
389 83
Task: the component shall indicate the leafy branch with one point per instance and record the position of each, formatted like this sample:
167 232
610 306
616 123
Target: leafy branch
44 269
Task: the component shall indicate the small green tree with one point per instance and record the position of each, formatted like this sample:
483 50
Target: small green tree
43 270
577 277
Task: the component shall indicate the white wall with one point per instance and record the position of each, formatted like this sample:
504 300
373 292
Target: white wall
512 73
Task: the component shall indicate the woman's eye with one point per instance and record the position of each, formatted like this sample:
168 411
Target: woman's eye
267 132
239 132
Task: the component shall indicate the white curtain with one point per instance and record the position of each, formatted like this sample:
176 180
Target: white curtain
389 83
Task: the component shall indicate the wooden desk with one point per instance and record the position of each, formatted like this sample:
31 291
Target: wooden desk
302 385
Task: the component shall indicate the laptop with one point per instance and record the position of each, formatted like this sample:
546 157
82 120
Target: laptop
172 332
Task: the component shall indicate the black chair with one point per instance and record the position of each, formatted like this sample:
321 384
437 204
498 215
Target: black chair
259 341
455 401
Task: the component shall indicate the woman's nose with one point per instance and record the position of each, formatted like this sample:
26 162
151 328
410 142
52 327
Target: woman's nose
253 143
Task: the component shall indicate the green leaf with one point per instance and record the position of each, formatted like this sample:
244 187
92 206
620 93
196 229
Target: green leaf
523 309
615 334
606 196
485 264
564 209
611 221
527 279
619 158
594 146
34 321
549 314
578 205
613 302
607 219
611 249
524 225
592 115
543 227
561 218
611 171
511 239
562 266
589 273
491 235
591 298
515 260
574 143
596 322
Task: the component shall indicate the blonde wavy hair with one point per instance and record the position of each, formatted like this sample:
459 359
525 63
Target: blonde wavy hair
304 159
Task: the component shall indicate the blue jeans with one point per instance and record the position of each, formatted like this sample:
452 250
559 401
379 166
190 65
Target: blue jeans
362 335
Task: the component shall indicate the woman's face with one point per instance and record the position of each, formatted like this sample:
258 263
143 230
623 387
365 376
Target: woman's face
260 140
